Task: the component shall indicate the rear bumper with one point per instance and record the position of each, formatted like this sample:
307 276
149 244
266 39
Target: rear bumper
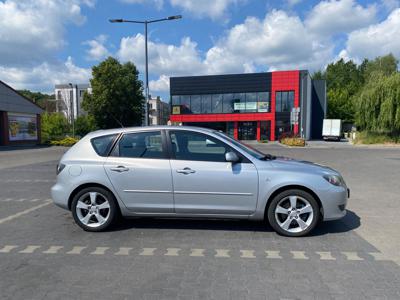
334 203
59 196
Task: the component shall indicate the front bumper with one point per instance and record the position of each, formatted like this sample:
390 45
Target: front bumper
334 203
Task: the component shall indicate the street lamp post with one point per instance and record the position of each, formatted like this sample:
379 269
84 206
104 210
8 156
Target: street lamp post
146 22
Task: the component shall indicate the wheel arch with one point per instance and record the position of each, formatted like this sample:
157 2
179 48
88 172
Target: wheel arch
292 187
86 185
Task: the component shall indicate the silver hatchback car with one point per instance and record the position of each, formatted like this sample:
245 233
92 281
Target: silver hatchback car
191 172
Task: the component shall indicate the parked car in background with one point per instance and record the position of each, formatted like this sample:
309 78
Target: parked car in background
180 171
332 129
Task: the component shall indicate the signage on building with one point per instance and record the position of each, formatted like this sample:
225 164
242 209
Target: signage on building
263 106
176 110
294 116
22 127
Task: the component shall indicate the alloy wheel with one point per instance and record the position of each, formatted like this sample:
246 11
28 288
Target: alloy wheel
93 209
294 214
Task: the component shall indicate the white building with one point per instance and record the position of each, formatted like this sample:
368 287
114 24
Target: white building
69 99
158 112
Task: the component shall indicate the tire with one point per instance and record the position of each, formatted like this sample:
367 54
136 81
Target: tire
294 223
94 216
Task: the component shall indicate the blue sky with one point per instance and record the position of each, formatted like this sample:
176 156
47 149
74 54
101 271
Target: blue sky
45 42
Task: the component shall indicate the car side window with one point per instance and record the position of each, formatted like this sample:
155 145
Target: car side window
187 145
140 145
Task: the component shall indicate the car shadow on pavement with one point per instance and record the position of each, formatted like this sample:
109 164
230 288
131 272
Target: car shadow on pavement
350 222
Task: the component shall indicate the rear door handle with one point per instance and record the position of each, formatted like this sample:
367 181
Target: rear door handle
120 169
186 171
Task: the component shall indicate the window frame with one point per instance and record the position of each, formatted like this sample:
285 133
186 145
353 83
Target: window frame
164 145
242 158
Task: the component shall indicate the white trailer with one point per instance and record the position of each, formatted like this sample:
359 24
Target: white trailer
332 129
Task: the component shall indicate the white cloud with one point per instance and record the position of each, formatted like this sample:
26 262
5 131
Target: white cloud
201 8
375 40
43 77
332 17
32 31
97 51
163 58
159 85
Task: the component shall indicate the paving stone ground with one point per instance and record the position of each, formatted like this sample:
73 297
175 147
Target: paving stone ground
44 255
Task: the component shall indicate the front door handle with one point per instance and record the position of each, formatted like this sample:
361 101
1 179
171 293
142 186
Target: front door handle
119 169
186 171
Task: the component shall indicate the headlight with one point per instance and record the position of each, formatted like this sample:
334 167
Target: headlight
334 179
60 167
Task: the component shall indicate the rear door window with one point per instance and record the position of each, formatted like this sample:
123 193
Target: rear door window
102 144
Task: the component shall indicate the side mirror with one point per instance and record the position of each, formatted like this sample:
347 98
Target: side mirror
231 157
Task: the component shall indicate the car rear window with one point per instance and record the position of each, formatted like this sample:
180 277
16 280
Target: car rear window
102 144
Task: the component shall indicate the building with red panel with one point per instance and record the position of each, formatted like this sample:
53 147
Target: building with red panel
255 106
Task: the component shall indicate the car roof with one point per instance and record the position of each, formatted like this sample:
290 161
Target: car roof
147 128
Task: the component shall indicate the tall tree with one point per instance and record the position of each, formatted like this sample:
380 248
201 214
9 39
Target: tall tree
117 95
37 97
387 65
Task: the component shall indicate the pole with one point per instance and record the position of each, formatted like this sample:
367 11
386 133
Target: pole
71 95
146 113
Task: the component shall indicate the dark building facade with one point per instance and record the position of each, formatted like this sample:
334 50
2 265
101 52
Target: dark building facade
255 106
19 118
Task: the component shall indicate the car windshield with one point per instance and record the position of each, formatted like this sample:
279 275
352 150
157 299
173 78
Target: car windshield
248 149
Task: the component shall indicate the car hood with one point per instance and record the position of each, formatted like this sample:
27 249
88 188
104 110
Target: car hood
301 165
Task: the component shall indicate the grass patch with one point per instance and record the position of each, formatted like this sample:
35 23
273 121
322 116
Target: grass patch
368 138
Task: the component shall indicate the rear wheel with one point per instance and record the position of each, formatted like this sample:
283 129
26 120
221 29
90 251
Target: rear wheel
293 213
94 209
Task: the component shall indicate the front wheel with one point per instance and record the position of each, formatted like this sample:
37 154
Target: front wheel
94 209
293 213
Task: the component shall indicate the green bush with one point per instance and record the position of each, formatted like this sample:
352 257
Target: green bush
54 126
368 137
84 125
66 142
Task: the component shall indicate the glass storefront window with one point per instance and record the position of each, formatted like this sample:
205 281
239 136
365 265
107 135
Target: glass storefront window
264 103
216 103
195 104
227 103
230 129
176 100
284 101
239 102
206 104
278 101
185 105
251 102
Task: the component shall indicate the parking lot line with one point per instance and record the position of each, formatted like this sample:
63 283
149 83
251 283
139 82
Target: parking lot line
8 248
299 255
148 251
194 252
76 250
352 255
30 249
247 253
325 255
222 253
24 212
100 250
172 252
197 252
273 254
123 251
53 249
